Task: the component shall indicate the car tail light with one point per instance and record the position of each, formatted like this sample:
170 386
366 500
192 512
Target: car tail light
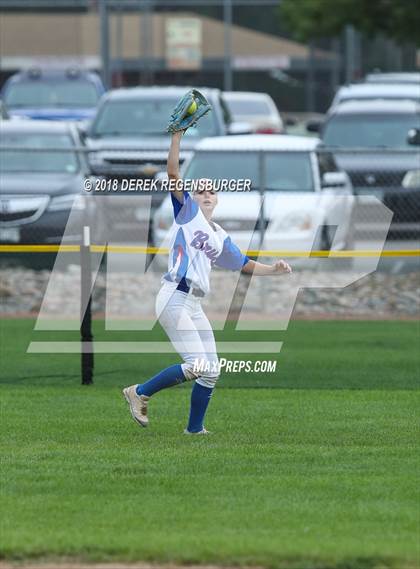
268 130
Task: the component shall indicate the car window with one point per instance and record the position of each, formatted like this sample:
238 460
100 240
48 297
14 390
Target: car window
326 163
249 107
369 130
285 171
22 160
144 117
72 93
227 117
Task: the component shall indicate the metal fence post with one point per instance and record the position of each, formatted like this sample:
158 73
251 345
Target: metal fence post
104 24
261 176
262 221
335 66
143 44
310 79
349 35
86 336
119 51
227 62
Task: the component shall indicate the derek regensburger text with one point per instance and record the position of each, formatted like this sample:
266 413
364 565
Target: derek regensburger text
234 366
218 185
151 185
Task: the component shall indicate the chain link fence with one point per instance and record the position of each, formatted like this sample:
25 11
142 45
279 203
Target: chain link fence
32 215
35 205
393 177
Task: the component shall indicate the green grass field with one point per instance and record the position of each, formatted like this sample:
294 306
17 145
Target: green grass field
321 472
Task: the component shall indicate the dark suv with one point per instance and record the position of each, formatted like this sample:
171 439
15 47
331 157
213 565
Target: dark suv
41 182
53 94
375 144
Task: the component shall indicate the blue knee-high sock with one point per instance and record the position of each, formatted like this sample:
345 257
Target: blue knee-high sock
200 399
165 378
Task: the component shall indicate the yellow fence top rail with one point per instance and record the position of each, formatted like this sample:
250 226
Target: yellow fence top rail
164 251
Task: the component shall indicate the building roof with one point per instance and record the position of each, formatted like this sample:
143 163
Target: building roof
28 36
258 142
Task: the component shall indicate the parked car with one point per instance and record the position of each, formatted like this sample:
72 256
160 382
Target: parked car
53 94
370 91
411 78
257 109
301 186
388 167
128 135
136 118
38 189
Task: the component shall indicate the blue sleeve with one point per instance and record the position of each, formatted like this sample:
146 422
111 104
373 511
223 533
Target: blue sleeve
231 257
184 212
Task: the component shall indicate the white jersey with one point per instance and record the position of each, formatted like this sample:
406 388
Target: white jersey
196 246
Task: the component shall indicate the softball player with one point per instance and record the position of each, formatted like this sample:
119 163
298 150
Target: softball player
197 244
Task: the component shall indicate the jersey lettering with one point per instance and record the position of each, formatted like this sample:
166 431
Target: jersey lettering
200 242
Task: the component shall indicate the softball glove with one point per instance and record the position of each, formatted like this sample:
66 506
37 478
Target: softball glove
181 119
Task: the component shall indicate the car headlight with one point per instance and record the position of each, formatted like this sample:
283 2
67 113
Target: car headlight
94 157
67 202
411 179
296 221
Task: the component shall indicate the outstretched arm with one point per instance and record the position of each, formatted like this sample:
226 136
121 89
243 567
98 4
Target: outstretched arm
261 269
172 167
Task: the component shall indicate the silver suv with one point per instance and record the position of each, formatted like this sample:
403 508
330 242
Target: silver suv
129 139
376 143
136 119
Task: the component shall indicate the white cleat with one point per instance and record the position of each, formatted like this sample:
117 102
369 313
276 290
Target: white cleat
137 404
202 432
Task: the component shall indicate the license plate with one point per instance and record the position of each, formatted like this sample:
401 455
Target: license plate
9 234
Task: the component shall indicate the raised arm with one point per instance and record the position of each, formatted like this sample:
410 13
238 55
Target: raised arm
172 166
262 270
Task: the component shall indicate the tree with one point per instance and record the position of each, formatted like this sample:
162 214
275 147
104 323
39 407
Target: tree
397 19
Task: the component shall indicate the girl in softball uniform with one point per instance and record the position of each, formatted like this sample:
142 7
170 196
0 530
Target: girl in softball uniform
197 244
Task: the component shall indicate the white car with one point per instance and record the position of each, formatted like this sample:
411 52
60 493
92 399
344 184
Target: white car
256 109
412 78
307 201
365 91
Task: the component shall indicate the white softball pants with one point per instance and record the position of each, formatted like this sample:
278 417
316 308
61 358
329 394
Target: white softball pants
188 328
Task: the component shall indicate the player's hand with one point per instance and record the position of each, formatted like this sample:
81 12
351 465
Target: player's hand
281 267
